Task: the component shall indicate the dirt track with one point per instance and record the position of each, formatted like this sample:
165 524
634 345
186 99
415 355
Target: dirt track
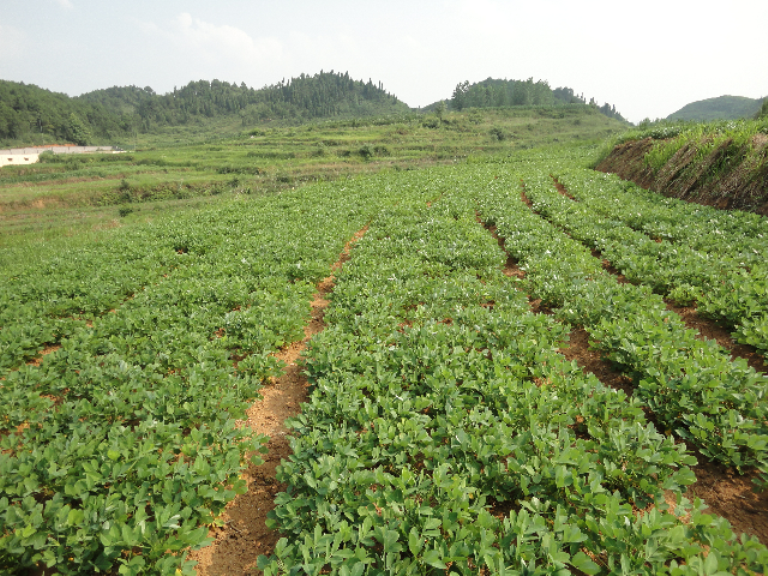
245 535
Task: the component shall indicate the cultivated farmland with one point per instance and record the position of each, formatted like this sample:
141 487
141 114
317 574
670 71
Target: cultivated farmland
448 428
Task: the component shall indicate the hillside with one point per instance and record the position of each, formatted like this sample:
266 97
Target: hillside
324 95
495 93
35 115
721 164
29 114
175 168
116 115
720 108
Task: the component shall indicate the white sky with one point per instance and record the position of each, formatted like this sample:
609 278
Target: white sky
648 58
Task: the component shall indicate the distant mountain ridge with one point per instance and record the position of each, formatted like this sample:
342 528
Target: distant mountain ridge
36 115
719 108
115 112
326 94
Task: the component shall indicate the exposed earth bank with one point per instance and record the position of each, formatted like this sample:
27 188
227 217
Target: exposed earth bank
726 178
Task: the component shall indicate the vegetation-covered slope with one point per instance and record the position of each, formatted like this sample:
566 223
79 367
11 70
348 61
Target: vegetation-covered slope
720 108
177 167
722 164
35 115
323 95
500 93
31 115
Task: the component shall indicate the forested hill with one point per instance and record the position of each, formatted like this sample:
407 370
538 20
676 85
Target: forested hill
34 114
114 112
494 93
720 108
326 94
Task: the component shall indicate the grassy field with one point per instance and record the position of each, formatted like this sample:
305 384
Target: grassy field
182 169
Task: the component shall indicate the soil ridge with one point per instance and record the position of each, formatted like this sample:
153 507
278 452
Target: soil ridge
244 535
724 178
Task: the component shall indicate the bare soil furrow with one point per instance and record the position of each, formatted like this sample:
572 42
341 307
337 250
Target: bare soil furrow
561 188
710 330
578 349
244 535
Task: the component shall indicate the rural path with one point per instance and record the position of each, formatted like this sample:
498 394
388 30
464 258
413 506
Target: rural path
244 535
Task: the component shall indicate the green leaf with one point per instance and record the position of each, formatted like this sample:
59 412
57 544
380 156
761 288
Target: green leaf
584 563
433 558
415 542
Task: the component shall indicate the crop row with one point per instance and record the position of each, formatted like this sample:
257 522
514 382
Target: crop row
714 258
446 435
692 386
120 447
41 306
740 235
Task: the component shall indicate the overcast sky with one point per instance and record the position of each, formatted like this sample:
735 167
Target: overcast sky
648 58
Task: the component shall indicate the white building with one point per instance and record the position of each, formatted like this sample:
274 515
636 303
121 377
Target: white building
17 156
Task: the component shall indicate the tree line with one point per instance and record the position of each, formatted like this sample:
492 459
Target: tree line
321 95
33 113
118 111
494 93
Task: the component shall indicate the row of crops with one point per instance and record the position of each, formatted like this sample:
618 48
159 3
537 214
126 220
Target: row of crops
685 251
692 386
120 446
444 432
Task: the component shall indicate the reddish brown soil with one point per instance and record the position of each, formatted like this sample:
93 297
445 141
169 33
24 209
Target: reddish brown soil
710 330
244 535
692 178
608 267
510 266
731 496
525 199
39 358
590 361
561 188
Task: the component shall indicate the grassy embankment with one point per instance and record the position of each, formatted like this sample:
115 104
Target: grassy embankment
723 164
63 197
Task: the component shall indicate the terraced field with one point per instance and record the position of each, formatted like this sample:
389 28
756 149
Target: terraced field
504 381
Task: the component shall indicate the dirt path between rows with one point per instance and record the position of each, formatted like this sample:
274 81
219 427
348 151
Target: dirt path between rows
244 535
711 330
578 348
707 329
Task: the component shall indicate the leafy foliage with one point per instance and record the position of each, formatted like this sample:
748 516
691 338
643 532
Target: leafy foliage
119 111
693 387
120 446
493 93
445 432
681 250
